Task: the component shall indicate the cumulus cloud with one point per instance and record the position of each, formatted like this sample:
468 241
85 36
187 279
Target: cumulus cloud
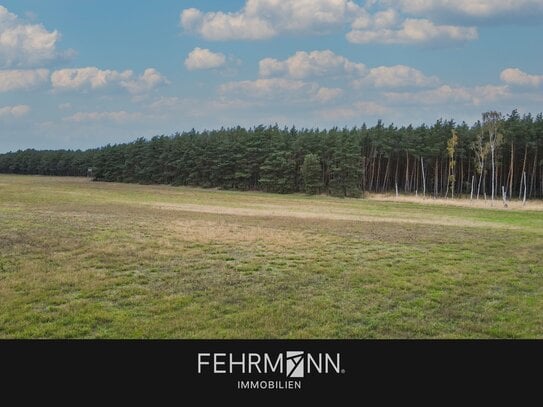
304 65
117 117
262 19
310 64
200 58
372 21
90 77
412 31
324 95
481 9
14 111
23 44
381 19
149 80
279 89
395 77
94 78
514 76
22 79
221 26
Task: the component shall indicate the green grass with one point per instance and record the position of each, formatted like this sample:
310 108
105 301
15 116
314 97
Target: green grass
91 260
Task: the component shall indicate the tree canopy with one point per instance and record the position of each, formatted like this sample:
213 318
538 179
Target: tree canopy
341 162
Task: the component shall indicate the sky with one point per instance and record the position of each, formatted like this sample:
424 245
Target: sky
81 74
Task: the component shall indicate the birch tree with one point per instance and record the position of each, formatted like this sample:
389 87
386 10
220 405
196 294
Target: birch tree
451 152
480 149
492 122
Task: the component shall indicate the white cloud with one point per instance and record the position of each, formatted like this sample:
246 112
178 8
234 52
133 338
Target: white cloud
303 65
191 19
446 94
382 19
149 80
117 117
324 95
310 64
514 76
279 89
22 79
90 77
24 44
372 21
94 78
14 111
469 8
262 19
200 58
221 26
443 94
413 31
395 77
489 93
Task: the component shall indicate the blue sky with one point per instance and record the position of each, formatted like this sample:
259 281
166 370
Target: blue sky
79 74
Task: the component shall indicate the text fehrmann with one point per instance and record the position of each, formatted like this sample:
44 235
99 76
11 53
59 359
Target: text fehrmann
292 364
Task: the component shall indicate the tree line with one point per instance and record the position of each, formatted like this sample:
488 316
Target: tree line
497 155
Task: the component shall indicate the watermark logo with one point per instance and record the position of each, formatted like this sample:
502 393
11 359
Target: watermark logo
270 371
295 365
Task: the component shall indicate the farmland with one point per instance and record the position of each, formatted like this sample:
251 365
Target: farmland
82 259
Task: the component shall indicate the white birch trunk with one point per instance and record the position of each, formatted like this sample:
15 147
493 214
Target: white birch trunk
423 177
525 188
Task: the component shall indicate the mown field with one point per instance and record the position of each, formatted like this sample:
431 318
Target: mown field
92 260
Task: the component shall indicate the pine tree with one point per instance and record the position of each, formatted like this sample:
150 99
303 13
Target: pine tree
312 173
340 162
277 173
345 172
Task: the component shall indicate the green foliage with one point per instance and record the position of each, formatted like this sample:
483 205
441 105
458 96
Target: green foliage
312 173
451 152
277 173
342 162
346 167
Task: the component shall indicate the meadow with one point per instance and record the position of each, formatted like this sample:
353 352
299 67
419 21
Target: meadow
83 259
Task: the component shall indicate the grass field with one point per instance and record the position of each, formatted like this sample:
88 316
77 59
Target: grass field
90 260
